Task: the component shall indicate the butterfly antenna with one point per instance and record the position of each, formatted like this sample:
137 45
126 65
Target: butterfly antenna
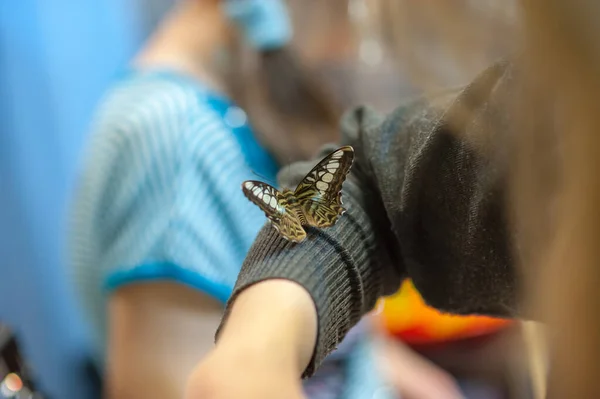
270 181
289 164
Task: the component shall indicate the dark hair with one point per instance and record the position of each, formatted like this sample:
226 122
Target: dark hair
294 91
281 94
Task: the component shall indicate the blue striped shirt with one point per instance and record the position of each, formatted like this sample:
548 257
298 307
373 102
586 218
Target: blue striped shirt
159 197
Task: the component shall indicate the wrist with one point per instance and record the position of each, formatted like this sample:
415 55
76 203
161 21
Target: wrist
273 323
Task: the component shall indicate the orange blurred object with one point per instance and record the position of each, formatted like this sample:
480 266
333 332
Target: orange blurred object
406 316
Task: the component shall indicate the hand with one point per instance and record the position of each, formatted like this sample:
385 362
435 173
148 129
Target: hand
412 375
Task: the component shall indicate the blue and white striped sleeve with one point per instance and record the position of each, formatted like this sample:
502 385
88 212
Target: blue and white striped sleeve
158 206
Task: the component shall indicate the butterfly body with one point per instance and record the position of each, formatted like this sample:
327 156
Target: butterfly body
315 202
290 203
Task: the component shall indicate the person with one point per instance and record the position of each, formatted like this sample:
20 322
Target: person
159 225
295 303
418 197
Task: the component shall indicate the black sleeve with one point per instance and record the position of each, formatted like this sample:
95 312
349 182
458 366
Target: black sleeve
420 202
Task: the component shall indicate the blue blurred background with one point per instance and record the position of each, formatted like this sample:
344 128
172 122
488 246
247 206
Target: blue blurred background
56 58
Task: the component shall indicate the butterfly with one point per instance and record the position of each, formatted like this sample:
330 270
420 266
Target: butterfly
316 201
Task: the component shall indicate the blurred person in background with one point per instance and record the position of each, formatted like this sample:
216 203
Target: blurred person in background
159 224
428 199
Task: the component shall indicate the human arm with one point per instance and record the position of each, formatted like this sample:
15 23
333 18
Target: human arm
158 331
407 372
173 234
423 200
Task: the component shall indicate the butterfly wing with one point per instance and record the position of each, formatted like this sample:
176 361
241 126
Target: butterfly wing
319 193
264 196
267 198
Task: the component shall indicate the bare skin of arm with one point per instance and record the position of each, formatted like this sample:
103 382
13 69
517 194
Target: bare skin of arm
158 332
269 339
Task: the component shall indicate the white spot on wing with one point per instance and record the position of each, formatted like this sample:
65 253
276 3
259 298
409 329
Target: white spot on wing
249 185
322 185
327 177
267 198
273 202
